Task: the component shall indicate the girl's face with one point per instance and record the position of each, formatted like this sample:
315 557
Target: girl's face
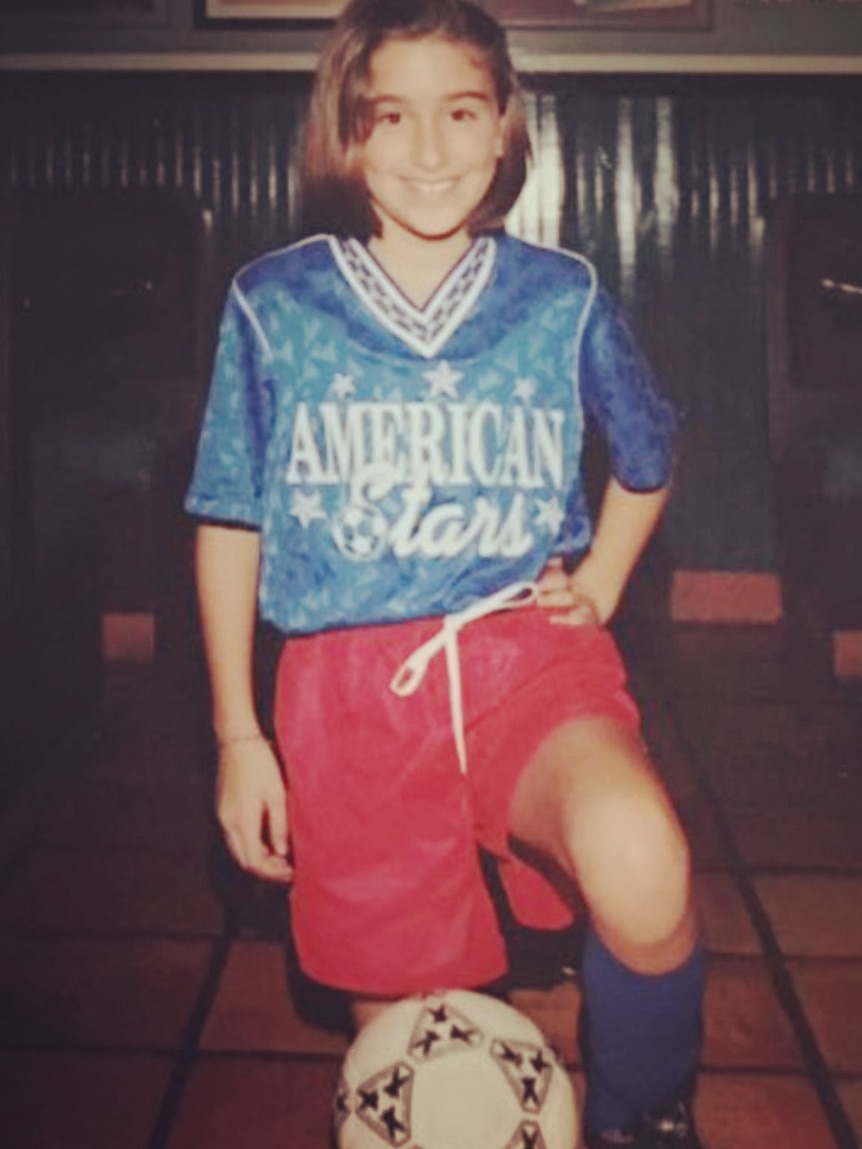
436 138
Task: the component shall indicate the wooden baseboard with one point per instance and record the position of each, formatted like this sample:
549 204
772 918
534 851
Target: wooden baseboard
726 596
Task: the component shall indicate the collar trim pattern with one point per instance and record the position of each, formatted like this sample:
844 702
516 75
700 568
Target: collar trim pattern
426 329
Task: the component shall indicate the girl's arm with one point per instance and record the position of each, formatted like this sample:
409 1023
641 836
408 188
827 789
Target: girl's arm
250 793
626 523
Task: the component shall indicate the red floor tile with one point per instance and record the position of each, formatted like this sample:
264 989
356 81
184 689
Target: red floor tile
760 1112
851 1097
745 1025
253 1009
106 891
131 992
727 926
232 1103
814 915
831 993
555 1011
60 1101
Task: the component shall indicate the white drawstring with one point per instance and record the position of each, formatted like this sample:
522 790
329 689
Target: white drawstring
409 676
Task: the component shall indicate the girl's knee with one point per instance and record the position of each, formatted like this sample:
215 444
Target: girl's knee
640 897
582 763
632 841
592 801
631 860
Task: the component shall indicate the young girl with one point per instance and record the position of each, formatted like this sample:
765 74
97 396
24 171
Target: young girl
389 470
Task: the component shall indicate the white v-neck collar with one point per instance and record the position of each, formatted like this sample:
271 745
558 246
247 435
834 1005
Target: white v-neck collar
424 329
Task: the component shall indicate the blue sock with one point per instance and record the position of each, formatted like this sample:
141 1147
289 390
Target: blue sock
643 1035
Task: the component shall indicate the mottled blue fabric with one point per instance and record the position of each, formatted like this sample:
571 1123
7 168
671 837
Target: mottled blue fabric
404 462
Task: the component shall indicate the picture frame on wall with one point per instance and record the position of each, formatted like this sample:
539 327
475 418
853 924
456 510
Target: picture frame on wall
607 14
645 14
269 11
113 13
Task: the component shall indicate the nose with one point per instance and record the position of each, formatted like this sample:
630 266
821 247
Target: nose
429 149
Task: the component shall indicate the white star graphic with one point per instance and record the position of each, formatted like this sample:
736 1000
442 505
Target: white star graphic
525 389
343 385
549 514
444 380
307 508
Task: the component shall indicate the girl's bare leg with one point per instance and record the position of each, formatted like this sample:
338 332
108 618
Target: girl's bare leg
591 802
365 1009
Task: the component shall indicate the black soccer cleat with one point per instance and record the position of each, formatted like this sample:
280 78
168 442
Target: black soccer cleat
672 1129
611 1139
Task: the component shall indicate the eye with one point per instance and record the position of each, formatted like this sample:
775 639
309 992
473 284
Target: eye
390 118
462 115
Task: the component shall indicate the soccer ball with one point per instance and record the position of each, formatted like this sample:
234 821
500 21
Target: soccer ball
454 1070
360 532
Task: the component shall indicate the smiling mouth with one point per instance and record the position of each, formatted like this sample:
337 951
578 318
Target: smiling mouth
426 188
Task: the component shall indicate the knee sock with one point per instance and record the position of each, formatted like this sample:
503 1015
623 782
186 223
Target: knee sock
643 1035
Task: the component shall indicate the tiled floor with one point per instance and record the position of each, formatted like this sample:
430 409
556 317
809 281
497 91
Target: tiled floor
145 1000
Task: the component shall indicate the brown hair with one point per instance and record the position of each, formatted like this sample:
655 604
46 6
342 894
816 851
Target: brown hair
334 194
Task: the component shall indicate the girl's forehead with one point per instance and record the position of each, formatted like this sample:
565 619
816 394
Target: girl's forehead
431 64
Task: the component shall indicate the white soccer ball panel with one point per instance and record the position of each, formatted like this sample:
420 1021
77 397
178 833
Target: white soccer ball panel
456 1070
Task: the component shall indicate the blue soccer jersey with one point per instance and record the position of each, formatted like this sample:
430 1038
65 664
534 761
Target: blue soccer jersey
403 462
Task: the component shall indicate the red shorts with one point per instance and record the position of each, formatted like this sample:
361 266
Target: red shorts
389 896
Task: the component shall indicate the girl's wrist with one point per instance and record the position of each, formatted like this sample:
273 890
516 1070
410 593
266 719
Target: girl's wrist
237 739
601 584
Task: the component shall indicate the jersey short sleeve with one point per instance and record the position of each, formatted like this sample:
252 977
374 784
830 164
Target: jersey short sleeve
228 480
619 390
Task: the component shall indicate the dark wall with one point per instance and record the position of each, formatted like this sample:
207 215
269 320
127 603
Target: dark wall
100 388
665 183
759 35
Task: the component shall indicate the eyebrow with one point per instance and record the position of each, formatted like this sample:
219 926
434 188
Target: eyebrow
450 98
